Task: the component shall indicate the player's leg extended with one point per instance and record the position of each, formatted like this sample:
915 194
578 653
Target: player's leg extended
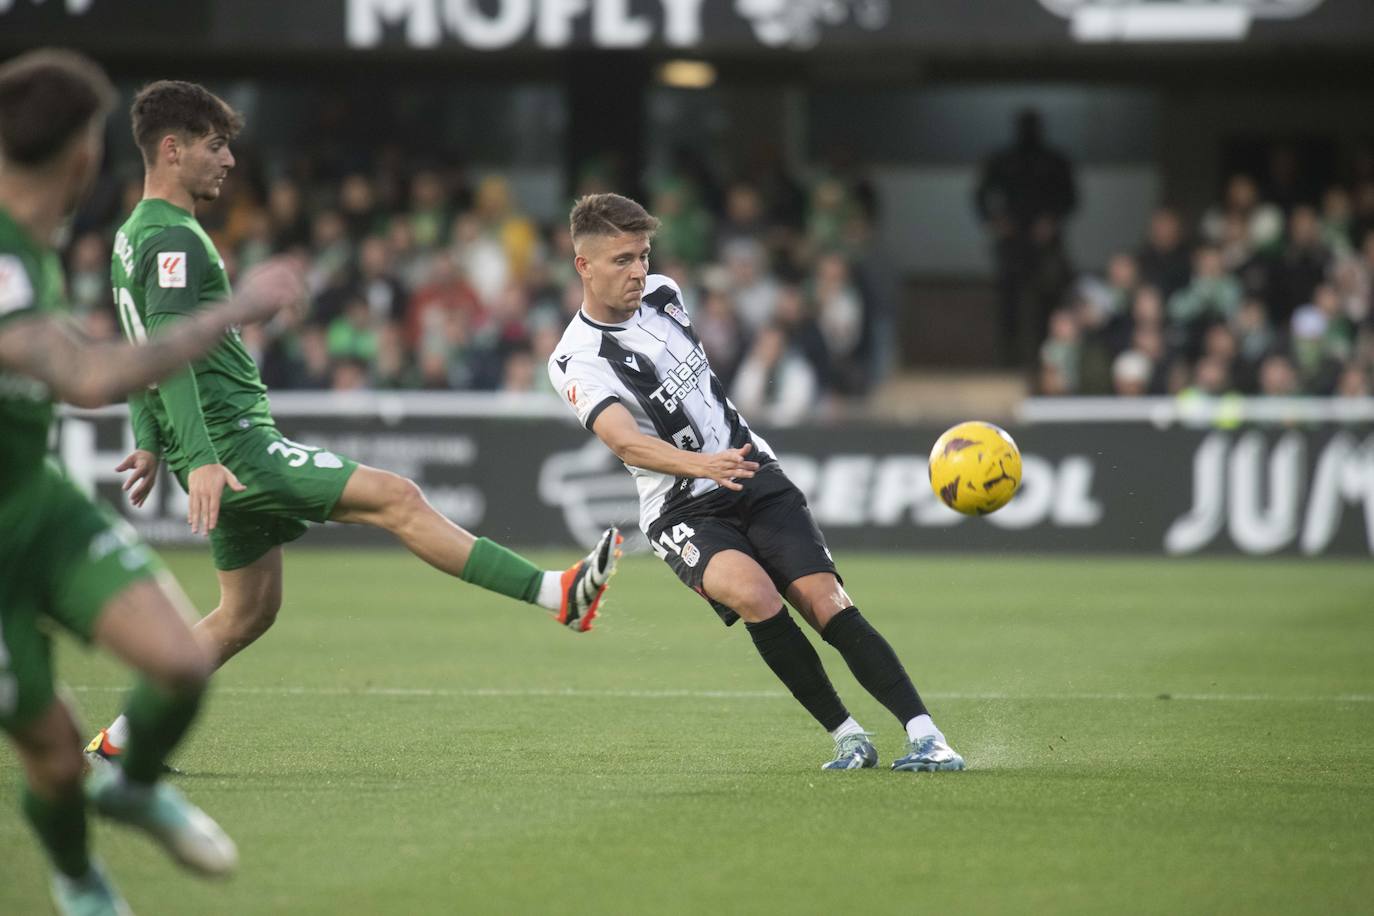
396 504
55 806
736 580
822 600
249 599
145 625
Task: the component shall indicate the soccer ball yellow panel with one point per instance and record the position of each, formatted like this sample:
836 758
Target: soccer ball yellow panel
975 468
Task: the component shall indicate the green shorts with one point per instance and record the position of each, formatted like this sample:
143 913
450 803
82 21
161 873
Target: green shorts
62 558
287 484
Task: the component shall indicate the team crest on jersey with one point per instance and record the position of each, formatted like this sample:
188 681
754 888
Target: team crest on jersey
690 554
570 392
171 269
677 313
15 290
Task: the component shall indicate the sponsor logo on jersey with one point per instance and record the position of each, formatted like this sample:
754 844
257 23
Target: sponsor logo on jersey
15 290
171 269
682 379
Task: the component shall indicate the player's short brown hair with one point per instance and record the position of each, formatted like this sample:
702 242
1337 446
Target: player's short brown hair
174 106
610 214
46 98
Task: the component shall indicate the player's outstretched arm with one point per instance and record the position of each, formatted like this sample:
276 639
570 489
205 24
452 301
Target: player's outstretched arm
89 374
617 428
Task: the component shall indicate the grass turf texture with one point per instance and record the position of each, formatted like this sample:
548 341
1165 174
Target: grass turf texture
399 744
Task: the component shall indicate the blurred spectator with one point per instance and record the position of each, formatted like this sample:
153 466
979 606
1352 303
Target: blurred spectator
376 283
353 334
1131 373
840 315
1336 222
1354 382
775 381
1025 194
1211 294
358 206
719 330
290 227
1296 269
797 320
1164 259
685 231
88 276
756 290
1277 377
1062 351
429 217
1260 222
501 222
445 291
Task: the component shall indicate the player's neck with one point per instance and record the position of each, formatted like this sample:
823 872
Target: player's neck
35 203
160 187
602 314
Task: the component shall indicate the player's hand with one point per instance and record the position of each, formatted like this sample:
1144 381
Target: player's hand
275 285
206 485
724 467
140 483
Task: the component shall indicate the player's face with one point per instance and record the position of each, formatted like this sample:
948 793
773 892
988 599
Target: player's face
205 162
613 270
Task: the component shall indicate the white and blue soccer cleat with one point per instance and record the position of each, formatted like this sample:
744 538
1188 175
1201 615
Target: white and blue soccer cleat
928 754
188 834
90 895
853 752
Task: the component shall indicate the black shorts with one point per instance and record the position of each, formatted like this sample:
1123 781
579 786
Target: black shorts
768 520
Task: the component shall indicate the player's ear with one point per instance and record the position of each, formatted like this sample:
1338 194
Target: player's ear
169 150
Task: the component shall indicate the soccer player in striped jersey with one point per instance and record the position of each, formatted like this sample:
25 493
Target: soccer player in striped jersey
252 489
714 501
65 559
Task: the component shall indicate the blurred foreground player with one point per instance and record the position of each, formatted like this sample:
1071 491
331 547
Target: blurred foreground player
64 559
714 501
251 489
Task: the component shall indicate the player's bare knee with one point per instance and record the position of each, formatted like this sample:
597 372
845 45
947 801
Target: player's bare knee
758 605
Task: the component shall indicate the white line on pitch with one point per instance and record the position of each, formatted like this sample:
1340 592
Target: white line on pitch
575 692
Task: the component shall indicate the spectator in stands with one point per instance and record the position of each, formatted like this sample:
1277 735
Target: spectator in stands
1296 269
376 283
88 276
839 311
1336 222
743 219
391 367
1262 221
446 290
1164 260
349 374
429 216
795 315
1131 373
1062 351
290 226
1025 195
353 335
500 220
481 258
358 206
1211 377
1362 223
1211 294
756 291
1277 377
684 233
1354 382
775 382
719 331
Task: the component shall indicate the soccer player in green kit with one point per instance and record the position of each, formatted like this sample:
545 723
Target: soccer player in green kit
63 558
252 489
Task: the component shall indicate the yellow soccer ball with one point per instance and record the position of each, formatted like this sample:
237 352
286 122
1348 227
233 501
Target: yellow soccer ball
975 468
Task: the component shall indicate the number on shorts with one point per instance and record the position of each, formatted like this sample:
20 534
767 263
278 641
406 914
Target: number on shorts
672 541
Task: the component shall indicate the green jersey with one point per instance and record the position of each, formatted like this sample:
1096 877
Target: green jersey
164 268
30 284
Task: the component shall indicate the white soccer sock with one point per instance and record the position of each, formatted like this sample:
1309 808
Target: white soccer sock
118 732
847 727
921 726
551 591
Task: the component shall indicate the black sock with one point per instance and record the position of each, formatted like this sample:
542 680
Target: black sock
789 653
874 664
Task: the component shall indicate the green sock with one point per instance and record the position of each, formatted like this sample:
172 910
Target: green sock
157 721
61 826
503 571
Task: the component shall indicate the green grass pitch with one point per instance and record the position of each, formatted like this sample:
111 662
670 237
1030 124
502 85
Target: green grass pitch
1143 736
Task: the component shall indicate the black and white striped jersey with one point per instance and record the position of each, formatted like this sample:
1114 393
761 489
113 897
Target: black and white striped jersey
655 366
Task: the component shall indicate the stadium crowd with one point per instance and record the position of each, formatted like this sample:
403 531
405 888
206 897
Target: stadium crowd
1263 298
422 278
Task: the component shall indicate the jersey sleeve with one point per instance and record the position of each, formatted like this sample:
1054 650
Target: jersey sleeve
181 396
172 267
17 297
585 387
147 436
